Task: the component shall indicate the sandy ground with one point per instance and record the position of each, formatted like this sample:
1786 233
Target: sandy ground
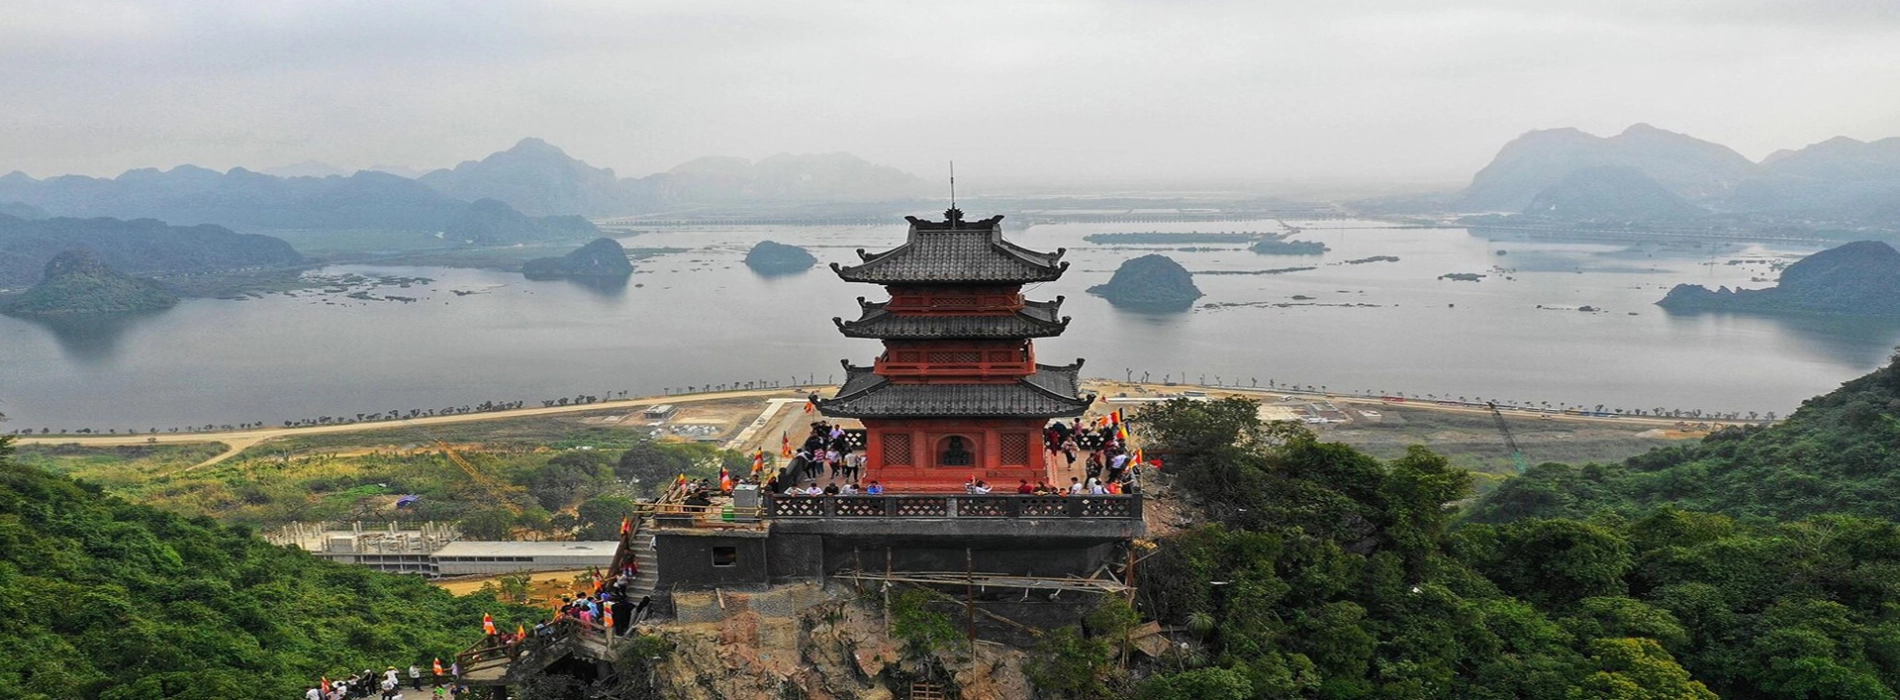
546 586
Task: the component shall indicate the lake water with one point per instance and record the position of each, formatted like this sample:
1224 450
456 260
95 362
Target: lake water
702 317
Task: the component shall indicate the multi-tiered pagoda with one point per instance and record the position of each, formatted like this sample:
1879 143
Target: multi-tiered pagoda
958 393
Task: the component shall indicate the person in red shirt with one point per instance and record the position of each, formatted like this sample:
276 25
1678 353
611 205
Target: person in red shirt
1024 487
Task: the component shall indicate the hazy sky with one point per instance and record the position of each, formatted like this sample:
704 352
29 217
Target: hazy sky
1078 91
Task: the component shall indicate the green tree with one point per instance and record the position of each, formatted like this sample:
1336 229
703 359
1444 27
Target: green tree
1557 562
600 517
488 524
1197 684
1637 669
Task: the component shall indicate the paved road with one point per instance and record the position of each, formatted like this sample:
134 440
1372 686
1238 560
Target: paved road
761 431
240 440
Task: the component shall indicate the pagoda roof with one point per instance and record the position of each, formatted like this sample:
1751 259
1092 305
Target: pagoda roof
954 251
1050 392
1037 319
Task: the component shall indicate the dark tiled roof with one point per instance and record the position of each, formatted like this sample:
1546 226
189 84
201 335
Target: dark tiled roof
1037 319
1049 393
955 251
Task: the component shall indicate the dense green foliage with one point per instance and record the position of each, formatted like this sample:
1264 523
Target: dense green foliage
78 282
100 598
1331 574
1838 453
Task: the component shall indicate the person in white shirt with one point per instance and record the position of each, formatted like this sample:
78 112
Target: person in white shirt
313 694
980 488
1096 488
1075 486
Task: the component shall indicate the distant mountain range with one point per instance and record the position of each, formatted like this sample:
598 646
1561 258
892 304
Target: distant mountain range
141 247
533 177
1841 181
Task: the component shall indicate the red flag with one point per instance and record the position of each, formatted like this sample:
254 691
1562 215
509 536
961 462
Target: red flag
325 684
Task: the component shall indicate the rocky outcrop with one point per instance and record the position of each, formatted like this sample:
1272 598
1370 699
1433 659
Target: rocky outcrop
77 282
835 649
1150 283
1859 279
772 257
601 259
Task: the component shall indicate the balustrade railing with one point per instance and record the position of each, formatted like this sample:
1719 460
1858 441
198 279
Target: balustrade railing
953 506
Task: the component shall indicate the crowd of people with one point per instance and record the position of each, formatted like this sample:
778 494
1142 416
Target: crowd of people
827 464
388 685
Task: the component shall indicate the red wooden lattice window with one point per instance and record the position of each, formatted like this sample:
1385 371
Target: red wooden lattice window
1014 448
897 448
956 356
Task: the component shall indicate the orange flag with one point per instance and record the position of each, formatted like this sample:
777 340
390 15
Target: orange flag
809 407
488 623
626 526
784 445
520 631
438 667
608 620
325 684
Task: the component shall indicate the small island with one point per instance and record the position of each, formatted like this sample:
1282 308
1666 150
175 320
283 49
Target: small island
1461 276
1856 279
1150 283
1280 246
78 283
775 258
603 258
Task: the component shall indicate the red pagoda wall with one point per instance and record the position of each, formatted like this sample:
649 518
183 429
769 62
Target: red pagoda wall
909 455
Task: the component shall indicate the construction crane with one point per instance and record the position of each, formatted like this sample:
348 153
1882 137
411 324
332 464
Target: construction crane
1517 455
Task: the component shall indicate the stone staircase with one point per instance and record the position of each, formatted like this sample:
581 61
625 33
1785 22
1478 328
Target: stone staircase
648 561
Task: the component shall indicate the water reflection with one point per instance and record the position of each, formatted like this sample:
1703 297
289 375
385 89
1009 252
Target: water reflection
92 339
604 287
1856 341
